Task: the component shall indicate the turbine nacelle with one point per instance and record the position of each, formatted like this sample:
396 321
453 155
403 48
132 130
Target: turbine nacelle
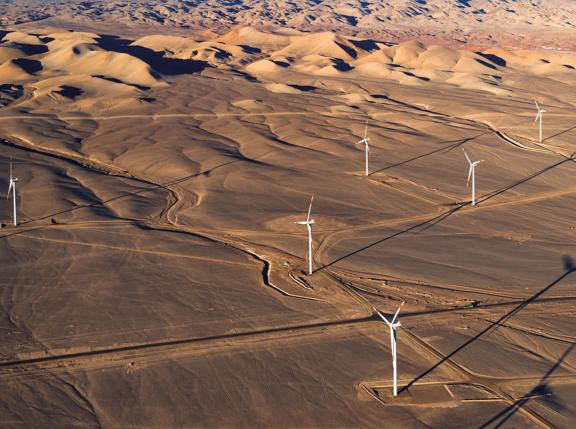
394 325
392 322
538 107
473 165
365 141
471 170
540 111
11 187
539 117
306 222
539 114
12 190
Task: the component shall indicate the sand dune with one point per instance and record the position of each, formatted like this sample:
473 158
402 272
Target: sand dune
171 44
264 66
87 59
13 71
325 44
253 37
111 64
475 22
9 53
157 277
259 53
23 38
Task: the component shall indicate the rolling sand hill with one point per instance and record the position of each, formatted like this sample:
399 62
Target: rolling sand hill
516 24
157 277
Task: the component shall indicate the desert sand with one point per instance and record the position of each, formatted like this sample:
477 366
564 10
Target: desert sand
510 23
157 278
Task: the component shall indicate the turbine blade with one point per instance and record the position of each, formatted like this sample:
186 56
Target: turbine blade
537 116
366 130
397 311
310 208
10 168
10 187
383 318
469 175
537 106
467 157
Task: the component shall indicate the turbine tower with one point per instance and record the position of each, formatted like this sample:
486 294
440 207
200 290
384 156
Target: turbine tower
12 188
308 222
365 140
472 174
539 117
393 325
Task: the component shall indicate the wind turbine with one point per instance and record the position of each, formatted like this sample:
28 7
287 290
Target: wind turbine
539 116
472 173
308 222
365 140
12 187
393 325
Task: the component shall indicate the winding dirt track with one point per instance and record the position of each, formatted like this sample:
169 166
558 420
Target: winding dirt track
125 352
167 221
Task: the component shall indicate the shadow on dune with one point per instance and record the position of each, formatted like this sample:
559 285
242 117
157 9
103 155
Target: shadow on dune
304 88
366 45
283 64
113 79
569 269
497 192
21 231
424 155
539 390
494 59
441 217
341 65
29 66
407 105
9 93
348 50
425 224
560 133
250 49
409 73
29 49
486 64
70 92
156 60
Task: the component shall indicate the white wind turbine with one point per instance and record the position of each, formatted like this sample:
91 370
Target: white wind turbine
539 116
393 325
365 140
308 222
472 173
12 187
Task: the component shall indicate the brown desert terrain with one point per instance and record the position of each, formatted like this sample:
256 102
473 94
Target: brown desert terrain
517 24
156 277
